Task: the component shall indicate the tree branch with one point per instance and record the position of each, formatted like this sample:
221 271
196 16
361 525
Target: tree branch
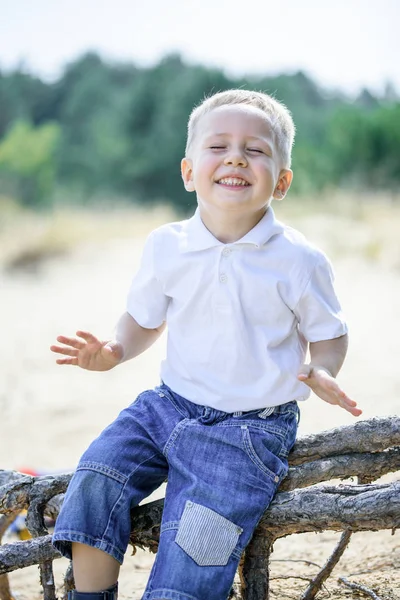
358 508
372 435
317 582
359 588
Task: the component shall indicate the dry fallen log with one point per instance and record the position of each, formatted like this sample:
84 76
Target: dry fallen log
367 450
372 465
357 508
34 493
19 491
19 555
372 435
25 491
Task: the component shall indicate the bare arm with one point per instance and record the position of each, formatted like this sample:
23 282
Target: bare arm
133 338
327 358
88 352
330 354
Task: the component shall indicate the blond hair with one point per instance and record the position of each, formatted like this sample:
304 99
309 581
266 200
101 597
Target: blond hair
279 115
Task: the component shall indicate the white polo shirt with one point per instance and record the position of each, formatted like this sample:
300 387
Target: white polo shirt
239 315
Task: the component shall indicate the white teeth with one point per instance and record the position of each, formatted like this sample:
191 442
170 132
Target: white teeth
233 181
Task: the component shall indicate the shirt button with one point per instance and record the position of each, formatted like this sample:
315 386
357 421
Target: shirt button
223 278
226 252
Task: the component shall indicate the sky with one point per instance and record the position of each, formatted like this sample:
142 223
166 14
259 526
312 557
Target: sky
342 44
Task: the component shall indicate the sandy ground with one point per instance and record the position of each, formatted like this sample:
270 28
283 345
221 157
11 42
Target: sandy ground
49 414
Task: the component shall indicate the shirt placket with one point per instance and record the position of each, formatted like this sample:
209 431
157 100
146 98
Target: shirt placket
225 281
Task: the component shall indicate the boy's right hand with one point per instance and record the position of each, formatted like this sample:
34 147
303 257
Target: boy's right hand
88 352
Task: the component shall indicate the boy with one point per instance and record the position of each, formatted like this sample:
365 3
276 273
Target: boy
243 296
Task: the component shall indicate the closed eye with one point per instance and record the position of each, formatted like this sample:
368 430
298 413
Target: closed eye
257 150
217 147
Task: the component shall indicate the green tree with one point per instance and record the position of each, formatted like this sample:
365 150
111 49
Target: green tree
363 147
121 129
27 161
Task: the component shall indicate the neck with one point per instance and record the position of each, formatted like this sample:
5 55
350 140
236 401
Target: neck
230 227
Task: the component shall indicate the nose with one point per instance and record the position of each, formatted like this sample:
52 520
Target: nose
236 158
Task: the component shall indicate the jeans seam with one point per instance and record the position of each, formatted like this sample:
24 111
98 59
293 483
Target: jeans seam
170 525
174 435
168 395
237 552
279 431
251 453
169 594
69 535
103 470
112 511
119 499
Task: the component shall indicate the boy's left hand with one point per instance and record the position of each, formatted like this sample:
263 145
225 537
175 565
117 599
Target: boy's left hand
326 387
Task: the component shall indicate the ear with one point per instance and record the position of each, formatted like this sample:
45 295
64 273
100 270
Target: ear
187 174
283 185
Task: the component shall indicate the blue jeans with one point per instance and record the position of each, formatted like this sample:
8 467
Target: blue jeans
223 470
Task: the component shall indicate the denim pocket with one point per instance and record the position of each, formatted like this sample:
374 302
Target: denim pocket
264 449
206 536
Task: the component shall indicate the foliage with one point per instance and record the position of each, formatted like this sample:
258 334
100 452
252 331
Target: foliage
116 129
364 147
27 164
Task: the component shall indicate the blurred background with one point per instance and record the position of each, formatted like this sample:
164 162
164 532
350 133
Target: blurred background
94 101
94 97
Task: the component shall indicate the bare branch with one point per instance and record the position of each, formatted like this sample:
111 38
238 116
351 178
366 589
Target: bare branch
371 465
318 581
20 492
372 435
297 560
360 588
5 522
358 508
27 553
5 591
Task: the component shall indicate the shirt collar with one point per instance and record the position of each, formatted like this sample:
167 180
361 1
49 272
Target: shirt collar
196 236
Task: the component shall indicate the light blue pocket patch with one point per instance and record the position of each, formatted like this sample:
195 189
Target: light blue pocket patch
207 537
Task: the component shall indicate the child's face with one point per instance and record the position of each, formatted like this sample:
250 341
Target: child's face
233 163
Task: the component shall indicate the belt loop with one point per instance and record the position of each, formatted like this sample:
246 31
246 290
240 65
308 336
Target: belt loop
266 412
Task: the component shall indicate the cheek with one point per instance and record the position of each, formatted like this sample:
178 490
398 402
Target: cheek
205 168
264 173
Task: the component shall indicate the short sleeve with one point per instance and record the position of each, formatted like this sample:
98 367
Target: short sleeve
146 302
318 310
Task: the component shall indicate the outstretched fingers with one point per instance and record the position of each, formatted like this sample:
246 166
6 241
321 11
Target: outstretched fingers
67 361
84 350
349 404
88 337
71 346
327 388
335 395
66 350
71 341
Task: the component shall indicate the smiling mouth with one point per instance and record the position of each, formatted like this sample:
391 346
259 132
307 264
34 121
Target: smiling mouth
233 182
